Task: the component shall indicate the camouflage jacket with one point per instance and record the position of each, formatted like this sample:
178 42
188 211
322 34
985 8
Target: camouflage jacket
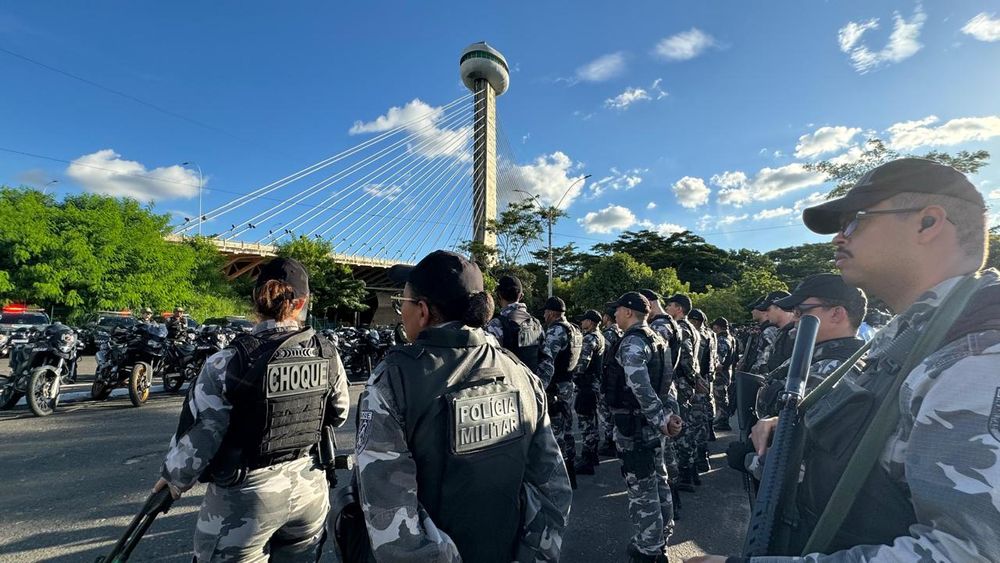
633 355
612 334
593 342
945 452
401 529
726 346
495 327
689 366
764 346
556 340
209 408
827 357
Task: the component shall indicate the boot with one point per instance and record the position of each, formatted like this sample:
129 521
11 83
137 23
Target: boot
571 469
675 496
634 556
695 478
587 464
702 464
722 423
711 432
608 449
686 481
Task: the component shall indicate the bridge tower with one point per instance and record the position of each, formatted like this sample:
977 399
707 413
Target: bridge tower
485 72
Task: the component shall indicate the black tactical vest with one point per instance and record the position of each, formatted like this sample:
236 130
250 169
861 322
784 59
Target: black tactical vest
568 357
709 352
596 366
688 331
675 339
782 348
615 385
523 336
470 412
278 384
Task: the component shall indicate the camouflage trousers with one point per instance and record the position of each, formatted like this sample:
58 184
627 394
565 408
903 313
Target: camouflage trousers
650 506
585 406
561 418
720 391
604 418
277 514
697 414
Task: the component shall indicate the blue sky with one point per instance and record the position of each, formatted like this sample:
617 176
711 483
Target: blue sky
692 115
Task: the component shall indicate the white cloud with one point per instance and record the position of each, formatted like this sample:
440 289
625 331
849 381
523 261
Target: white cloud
849 156
106 172
691 192
660 92
34 177
627 98
772 213
770 183
910 134
662 228
995 194
618 180
652 205
425 124
583 116
611 218
602 68
733 189
684 46
548 177
983 27
810 200
388 192
903 41
778 154
825 139
727 220
525 138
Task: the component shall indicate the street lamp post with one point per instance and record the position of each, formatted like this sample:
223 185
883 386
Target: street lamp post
201 182
45 188
550 217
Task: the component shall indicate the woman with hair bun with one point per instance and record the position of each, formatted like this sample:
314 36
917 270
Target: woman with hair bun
456 457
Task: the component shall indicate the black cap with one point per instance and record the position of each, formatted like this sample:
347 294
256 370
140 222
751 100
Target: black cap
633 300
683 300
769 300
509 285
609 308
721 322
591 315
286 270
650 295
902 175
823 286
697 315
555 304
441 276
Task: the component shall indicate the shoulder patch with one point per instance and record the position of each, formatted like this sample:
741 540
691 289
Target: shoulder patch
994 420
364 430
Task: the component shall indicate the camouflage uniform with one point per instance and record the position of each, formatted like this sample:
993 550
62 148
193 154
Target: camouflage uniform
399 526
702 409
688 371
650 505
724 373
768 335
943 456
586 419
612 334
667 329
561 393
495 327
278 510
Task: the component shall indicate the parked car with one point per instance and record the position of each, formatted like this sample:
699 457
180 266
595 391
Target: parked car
14 317
234 323
100 325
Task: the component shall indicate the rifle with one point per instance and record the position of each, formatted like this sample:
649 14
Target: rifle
784 458
157 502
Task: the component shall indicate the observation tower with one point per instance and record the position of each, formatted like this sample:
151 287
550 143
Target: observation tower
485 72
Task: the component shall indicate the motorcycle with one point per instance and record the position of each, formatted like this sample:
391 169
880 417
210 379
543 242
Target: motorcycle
203 344
361 350
131 358
39 366
180 352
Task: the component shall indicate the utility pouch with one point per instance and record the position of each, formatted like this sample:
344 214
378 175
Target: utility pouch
834 423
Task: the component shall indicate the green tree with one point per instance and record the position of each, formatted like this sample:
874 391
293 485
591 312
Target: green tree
613 275
732 302
567 262
332 285
793 263
876 153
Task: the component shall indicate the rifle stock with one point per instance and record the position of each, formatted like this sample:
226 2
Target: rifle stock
784 458
158 502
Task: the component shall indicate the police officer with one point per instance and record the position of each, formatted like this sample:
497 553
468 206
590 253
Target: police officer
663 323
911 232
776 346
754 343
456 457
146 315
514 327
177 324
587 378
560 354
726 345
268 494
703 404
689 383
612 334
635 392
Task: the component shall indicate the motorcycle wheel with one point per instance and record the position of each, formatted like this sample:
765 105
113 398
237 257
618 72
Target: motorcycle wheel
100 390
172 382
39 387
138 383
9 397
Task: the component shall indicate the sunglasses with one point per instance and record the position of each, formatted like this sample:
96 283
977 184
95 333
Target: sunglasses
848 227
397 302
805 308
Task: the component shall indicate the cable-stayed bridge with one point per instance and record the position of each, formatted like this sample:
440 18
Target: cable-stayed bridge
423 178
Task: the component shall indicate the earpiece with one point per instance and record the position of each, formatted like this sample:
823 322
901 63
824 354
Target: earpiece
926 223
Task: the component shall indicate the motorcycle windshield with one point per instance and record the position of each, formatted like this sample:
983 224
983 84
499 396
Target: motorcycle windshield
156 330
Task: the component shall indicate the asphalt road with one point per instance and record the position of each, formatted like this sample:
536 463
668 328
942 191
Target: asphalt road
71 482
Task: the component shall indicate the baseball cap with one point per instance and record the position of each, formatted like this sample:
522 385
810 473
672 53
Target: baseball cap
555 304
441 276
769 300
721 322
147 310
509 284
609 308
822 286
633 300
683 300
650 295
918 175
286 270
696 315
591 315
